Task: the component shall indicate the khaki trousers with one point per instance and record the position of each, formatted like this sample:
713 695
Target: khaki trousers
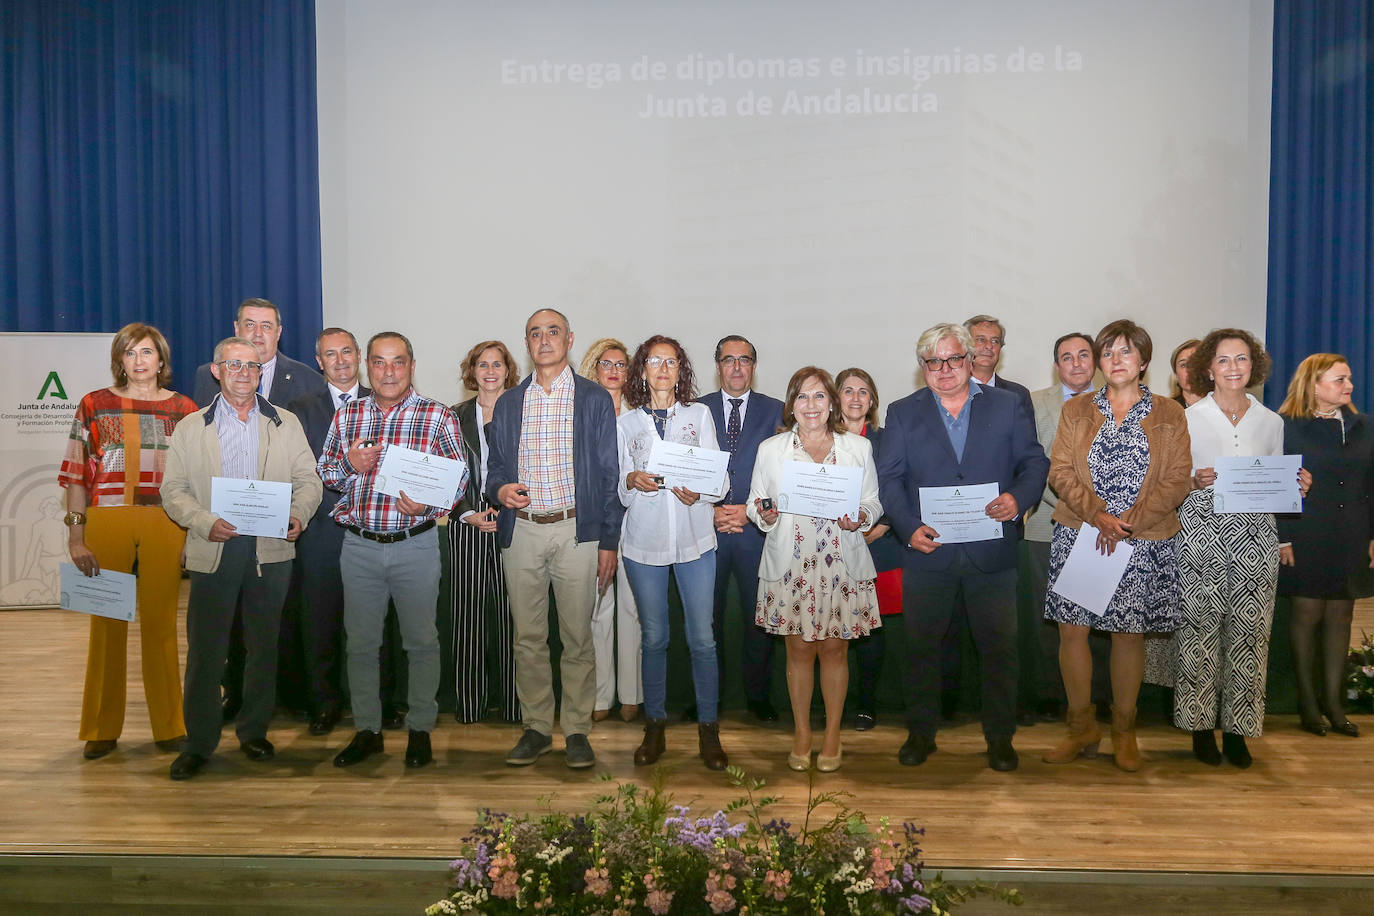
540 556
119 535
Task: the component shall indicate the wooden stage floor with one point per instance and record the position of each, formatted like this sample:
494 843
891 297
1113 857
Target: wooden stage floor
1303 809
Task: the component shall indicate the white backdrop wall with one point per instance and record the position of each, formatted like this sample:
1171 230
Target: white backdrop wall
1056 163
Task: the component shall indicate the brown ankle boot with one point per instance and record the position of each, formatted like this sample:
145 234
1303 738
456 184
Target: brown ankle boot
1124 747
708 733
1083 736
653 745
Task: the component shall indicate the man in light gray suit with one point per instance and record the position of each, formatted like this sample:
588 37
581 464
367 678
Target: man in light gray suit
1041 689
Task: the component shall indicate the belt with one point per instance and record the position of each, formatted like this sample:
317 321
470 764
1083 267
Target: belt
390 537
546 518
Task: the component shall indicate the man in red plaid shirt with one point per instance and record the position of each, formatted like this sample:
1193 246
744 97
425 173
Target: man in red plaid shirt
390 549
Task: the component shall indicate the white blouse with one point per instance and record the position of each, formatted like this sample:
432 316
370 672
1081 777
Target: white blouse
658 529
1259 432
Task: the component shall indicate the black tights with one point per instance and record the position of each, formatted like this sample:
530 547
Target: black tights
1333 617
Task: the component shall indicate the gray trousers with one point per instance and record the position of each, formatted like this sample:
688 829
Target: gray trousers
540 556
406 573
209 617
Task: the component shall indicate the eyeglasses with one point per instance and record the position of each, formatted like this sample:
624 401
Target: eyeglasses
954 362
744 362
238 365
653 362
611 364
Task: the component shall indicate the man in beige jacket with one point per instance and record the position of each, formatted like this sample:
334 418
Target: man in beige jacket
238 436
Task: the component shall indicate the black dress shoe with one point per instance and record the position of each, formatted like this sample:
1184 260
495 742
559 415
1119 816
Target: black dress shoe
229 706
1345 727
418 752
1233 746
364 745
187 765
324 721
393 719
763 710
258 749
1205 747
1001 755
864 721
916 749
1315 726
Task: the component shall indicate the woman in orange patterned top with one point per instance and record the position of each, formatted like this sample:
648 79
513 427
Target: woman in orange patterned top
112 472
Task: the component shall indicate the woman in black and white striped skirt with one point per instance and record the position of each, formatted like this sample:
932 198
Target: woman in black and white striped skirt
482 630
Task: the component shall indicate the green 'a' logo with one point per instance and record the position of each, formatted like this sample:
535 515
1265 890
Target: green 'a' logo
53 384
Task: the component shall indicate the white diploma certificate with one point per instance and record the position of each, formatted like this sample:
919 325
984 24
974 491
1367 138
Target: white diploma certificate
959 515
1089 578
820 490
429 479
1258 483
261 508
110 594
701 470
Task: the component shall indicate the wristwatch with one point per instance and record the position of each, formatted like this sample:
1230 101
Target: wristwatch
74 518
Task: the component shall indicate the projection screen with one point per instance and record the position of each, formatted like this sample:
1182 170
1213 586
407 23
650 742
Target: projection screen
825 178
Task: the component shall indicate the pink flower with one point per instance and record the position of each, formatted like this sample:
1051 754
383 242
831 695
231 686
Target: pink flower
598 881
659 902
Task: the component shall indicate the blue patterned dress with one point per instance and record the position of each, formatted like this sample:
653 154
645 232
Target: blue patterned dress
1148 600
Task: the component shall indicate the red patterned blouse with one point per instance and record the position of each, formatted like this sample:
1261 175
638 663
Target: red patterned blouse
117 449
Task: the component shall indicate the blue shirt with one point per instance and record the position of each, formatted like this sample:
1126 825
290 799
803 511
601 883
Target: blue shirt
957 427
238 441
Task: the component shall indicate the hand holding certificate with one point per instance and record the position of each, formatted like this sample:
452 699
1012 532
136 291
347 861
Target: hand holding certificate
692 467
820 490
261 508
106 594
1257 483
959 515
1089 578
429 479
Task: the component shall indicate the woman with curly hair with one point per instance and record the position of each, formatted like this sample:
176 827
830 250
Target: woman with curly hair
1228 562
669 529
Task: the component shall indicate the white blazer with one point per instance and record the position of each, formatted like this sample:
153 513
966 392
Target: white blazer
850 451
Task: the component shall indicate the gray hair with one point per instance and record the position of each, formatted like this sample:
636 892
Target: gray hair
229 342
987 319
567 325
930 338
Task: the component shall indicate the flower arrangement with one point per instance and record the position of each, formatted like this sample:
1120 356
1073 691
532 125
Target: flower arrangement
638 853
1359 674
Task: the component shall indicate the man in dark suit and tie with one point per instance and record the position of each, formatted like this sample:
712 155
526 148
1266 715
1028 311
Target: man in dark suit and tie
283 380
957 433
743 419
317 553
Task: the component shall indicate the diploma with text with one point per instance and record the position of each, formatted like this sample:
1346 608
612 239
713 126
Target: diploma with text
959 515
429 479
1257 483
107 594
261 508
820 490
701 470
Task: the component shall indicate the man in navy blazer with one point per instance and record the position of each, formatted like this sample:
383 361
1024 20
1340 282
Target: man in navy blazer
283 378
317 552
954 433
743 420
552 464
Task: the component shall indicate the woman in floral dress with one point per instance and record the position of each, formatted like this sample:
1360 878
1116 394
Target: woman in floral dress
816 576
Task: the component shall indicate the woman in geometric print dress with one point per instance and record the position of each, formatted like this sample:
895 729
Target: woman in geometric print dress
1228 562
1121 462
816 578
112 473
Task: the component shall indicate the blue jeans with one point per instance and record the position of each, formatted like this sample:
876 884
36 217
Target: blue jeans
696 581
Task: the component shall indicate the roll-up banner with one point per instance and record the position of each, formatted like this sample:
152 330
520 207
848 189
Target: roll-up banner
44 378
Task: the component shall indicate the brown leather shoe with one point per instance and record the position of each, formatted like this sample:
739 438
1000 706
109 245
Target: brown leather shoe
1082 739
1124 746
653 745
97 749
708 733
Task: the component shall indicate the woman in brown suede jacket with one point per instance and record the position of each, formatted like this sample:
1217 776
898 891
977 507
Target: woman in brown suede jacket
1121 464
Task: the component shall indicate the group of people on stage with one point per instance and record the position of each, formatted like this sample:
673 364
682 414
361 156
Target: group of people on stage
557 491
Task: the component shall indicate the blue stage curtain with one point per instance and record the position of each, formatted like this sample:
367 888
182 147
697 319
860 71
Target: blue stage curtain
1321 234
159 162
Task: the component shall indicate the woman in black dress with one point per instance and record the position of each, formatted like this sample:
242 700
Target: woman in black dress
1326 552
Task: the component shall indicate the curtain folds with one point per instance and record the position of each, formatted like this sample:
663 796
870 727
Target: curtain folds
1321 227
159 162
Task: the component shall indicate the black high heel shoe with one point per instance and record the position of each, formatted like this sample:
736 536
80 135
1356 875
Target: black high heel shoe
1343 727
1315 726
